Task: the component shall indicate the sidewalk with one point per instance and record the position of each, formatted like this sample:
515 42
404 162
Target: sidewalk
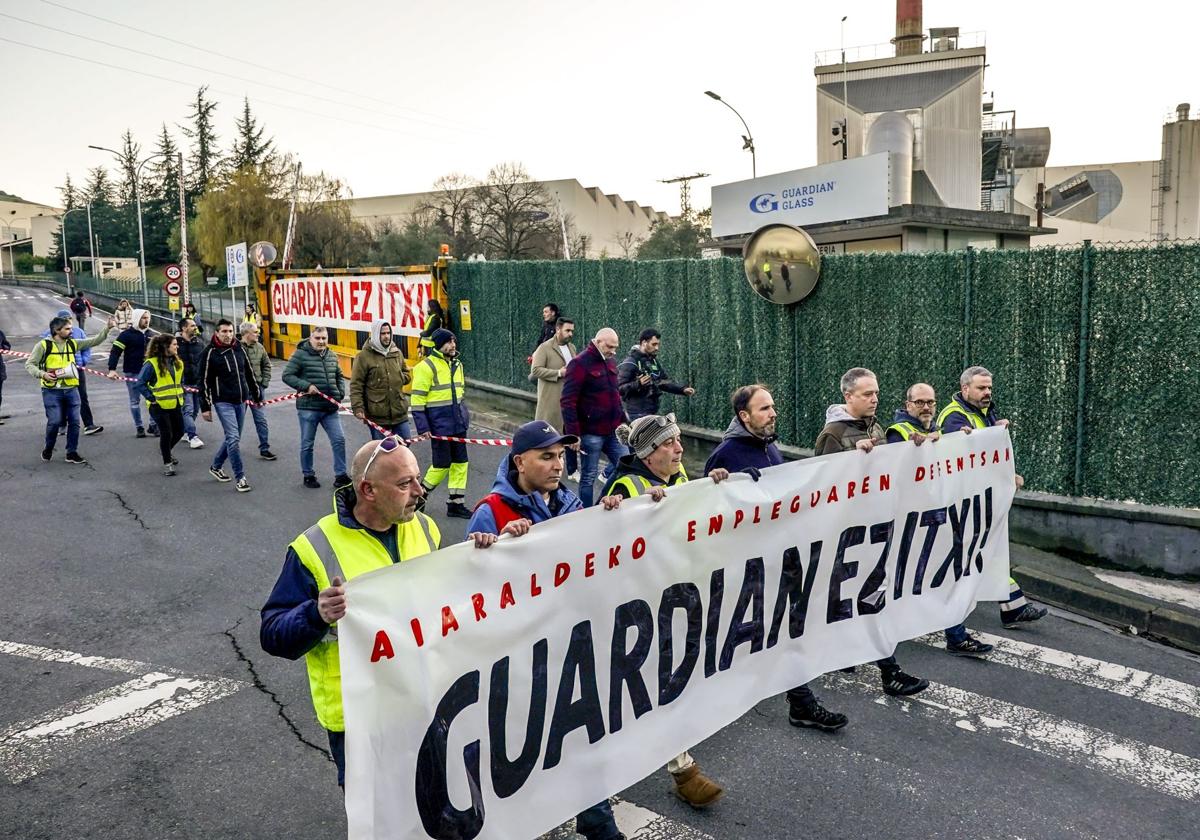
1048 578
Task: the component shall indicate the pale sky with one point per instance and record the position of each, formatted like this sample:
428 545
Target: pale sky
388 96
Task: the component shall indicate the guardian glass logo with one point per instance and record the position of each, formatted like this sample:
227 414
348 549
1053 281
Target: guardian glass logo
764 203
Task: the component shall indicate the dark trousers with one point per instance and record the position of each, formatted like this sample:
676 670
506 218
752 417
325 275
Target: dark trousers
337 749
802 696
1 387
597 823
170 428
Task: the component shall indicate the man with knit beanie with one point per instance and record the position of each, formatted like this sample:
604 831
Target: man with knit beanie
438 406
654 464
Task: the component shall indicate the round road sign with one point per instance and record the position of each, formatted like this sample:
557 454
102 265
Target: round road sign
172 287
173 272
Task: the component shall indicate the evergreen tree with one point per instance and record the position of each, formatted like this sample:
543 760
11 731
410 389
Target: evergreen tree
204 159
129 162
99 188
249 147
163 183
70 196
160 200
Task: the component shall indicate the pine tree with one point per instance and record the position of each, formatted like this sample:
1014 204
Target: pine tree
249 147
129 163
204 159
70 196
163 183
99 188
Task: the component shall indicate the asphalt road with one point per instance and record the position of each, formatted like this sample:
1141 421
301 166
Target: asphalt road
1071 731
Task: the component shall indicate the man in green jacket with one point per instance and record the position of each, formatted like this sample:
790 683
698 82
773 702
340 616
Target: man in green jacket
260 365
377 383
314 371
52 362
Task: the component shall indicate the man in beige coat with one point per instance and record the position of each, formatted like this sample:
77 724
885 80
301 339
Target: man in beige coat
547 368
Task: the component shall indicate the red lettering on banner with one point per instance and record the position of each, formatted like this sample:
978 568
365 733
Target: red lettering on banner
506 595
382 648
960 463
561 572
885 482
418 636
814 498
534 589
277 296
449 622
850 489
715 523
393 290
775 509
339 300
833 496
301 300
996 457
920 476
738 516
866 485
638 548
691 530
795 507
613 562
406 317
326 300
1007 454
757 519
477 603
589 564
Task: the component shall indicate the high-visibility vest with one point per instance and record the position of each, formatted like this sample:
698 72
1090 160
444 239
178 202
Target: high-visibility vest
636 485
427 340
328 550
168 385
977 420
434 385
57 358
906 429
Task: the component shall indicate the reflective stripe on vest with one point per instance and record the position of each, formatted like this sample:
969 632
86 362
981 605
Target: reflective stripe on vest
427 341
167 390
955 407
445 388
639 484
59 359
328 550
906 429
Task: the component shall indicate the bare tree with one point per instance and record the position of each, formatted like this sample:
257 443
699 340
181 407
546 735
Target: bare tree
628 242
513 215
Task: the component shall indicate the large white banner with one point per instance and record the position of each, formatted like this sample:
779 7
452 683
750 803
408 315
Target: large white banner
353 302
496 693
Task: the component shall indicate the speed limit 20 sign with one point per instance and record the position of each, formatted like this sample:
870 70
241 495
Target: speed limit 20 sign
173 272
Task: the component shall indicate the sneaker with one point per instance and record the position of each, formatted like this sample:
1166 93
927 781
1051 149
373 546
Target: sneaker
1024 615
174 461
62 430
311 482
195 443
696 789
169 469
75 458
219 475
573 476
816 716
266 455
47 454
93 430
899 684
457 510
969 646
243 486
141 432
152 431
341 480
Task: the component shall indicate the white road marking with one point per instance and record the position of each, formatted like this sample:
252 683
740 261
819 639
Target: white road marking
1174 592
55 737
636 823
1151 767
1163 692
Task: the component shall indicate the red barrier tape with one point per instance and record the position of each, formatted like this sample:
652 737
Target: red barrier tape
287 397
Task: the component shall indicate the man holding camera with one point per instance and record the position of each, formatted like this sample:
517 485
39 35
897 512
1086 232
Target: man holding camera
642 380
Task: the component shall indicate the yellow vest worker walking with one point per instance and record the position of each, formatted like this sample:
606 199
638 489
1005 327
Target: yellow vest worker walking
439 407
161 383
375 523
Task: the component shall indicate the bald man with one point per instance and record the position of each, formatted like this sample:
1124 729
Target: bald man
592 410
375 524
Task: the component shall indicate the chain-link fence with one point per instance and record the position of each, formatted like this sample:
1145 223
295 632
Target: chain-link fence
1095 350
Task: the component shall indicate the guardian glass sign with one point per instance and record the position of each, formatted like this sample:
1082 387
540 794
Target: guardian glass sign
833 192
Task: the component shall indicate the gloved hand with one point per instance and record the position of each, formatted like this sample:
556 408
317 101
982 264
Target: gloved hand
753 472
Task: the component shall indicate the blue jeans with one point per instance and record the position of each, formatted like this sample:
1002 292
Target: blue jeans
231 415
597 823
260 426
332 424
62 406
403 429
956 634
592 446
191 407
135 404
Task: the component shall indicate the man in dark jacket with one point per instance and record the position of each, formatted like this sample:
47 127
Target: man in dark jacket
4 345
749 446
314 371
226 383
549 321
851 426
642 380
191 348
591 408
132 343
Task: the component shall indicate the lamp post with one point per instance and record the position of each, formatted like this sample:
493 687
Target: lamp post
747 138
137 197
11 256
62 231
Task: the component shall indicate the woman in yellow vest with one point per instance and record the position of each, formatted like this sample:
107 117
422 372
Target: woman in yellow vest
435 320
161 383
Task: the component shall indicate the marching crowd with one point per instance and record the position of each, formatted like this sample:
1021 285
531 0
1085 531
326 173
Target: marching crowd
604 409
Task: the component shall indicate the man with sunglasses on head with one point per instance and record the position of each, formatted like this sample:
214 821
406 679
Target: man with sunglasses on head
375 523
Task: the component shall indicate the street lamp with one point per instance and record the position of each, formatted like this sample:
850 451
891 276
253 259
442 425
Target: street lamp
137 197
11 254
62 230
747 139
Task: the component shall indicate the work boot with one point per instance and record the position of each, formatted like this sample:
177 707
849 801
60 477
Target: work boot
816 716
457 510
1024 615
899 684
696 789
970 646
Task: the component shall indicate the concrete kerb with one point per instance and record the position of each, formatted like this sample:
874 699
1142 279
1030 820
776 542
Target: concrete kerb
1046 577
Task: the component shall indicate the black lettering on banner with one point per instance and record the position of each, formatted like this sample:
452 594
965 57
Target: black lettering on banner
585 712
975 522
716 596
954 557
740 630
439 817
672 681
840 608
509 776
793 593
987 527
906 538
627 665
872 598
931 519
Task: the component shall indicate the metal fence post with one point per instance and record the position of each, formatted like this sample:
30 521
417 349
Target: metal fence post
968 287
1085 284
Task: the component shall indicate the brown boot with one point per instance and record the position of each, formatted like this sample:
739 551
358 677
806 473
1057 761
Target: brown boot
696 789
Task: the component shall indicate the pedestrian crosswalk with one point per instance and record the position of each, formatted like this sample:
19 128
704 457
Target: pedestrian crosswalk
16 295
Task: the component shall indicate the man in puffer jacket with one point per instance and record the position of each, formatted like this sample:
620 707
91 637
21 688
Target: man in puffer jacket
226 383
377 383
132 344
314 371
